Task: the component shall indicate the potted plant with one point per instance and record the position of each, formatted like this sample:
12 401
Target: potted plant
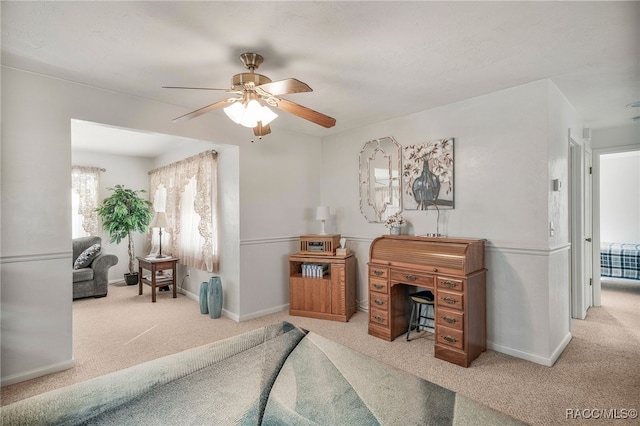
122 214
395 222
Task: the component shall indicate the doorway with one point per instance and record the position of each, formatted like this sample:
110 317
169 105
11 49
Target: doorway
616 194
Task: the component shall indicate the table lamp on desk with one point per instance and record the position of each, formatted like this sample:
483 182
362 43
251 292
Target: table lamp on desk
160 221
323 214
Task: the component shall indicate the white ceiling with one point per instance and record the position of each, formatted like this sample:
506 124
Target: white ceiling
366 61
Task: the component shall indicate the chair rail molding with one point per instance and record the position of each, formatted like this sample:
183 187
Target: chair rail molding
35 257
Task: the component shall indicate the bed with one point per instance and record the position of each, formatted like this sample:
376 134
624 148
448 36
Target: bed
275 375
620 260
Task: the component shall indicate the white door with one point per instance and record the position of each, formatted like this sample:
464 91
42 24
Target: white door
587 257
578 283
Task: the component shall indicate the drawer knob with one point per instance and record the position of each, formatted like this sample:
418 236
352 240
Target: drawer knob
378 272
379 318
449 284
449 339
410 277
378 286
379 302
449 319
435 269
450 300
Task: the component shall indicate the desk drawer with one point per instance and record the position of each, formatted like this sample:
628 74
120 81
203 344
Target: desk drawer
378 285
450 337
450 300
410 278
378 301
379 317
376 271
451 319
450 284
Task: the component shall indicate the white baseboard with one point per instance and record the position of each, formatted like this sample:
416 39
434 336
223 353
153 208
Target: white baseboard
196 298
192 296
546 361
262 313
32 374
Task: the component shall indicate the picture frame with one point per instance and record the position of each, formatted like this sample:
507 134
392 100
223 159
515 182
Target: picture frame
428 175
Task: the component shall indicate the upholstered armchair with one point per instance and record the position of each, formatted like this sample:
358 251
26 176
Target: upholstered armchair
90 267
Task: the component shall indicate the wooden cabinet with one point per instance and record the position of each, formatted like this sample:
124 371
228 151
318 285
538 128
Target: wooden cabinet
453 269
330 294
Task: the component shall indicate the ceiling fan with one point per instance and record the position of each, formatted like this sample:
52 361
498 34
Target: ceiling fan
253 93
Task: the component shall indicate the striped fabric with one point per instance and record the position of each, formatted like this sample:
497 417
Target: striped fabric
620 260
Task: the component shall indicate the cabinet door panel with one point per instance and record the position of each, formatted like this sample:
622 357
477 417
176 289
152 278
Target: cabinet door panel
310 294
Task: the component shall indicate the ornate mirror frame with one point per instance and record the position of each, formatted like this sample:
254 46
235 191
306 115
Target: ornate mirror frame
380 168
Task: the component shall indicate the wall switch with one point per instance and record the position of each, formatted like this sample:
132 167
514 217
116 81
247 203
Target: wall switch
188 273
552 230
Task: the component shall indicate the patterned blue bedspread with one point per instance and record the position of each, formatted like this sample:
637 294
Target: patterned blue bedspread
620 260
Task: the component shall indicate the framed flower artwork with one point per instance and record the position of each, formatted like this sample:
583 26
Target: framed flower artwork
427 175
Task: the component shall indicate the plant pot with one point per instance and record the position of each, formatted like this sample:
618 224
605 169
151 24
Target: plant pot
131 279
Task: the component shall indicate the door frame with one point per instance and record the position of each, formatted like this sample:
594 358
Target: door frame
596 214
578 286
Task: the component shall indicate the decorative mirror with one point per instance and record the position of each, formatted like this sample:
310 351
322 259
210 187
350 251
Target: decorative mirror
380 179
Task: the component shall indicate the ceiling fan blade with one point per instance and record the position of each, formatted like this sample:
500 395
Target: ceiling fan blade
284 87
199 112
192 88
261 130
306 113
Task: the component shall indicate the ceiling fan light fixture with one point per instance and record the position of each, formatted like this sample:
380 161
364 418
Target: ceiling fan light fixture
235 112
252 114
267 115
254 94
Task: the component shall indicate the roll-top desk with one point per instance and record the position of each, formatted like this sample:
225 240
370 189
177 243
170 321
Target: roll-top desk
453 269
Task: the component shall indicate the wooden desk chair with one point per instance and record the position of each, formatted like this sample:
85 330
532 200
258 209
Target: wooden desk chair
422 303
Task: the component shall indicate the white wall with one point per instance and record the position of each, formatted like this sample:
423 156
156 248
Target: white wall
616 138
508 147
278 185
620 197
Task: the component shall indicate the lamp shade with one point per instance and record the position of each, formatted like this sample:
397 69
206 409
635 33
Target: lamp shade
235 111
159 220
267 116
251 114
322 213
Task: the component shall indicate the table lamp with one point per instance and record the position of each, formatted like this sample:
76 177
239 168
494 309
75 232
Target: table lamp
323 214
160 221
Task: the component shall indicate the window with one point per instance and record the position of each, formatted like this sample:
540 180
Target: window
85 183
187 192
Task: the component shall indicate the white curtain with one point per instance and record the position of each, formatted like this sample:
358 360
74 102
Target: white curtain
85 183
187 192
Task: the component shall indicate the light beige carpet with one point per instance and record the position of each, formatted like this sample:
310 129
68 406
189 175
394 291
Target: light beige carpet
599 370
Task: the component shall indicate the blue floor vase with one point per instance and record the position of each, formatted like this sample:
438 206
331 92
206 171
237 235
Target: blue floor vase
214 297
204 298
